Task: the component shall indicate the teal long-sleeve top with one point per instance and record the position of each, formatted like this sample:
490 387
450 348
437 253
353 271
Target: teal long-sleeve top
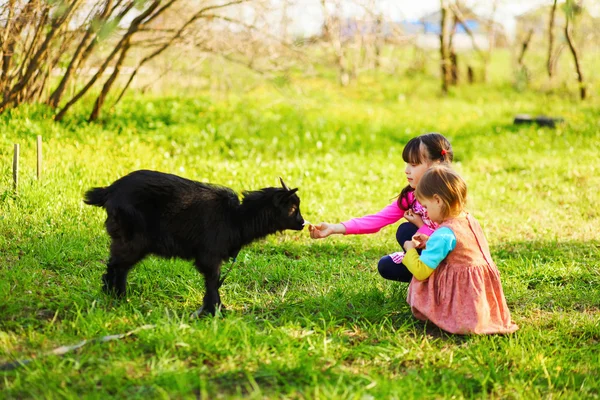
441 242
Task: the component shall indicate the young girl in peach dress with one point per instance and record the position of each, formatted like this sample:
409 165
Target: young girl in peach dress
456 284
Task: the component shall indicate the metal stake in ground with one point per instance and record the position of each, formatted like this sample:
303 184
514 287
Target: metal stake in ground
16 169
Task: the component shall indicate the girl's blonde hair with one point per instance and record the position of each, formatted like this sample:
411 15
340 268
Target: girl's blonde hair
444 182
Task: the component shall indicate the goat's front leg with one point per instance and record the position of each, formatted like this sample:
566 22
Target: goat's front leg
212 274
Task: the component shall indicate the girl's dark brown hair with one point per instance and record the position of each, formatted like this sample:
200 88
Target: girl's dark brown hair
429 147
447 184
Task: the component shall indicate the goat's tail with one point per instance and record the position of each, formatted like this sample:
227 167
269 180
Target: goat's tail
96 197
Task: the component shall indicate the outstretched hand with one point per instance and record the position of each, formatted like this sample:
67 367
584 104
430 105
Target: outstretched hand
322 230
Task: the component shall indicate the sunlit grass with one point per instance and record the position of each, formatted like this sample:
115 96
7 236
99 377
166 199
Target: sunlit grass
305 319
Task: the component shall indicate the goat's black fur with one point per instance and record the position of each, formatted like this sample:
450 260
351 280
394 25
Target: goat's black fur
151 212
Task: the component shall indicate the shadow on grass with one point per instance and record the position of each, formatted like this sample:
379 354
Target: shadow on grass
538 275
48 277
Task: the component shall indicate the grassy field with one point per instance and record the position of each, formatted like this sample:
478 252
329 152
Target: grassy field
306 319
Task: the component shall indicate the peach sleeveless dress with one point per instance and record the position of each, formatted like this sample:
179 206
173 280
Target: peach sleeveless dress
464 294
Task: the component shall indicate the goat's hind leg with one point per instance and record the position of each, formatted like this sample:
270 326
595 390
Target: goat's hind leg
211 270
123 257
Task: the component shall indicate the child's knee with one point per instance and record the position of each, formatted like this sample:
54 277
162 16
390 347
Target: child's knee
385 267
381 265
405 232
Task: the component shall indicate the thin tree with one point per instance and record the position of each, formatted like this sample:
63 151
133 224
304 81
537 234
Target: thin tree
550 61
525 46
377 41
445 45
452 51
460 19
572 9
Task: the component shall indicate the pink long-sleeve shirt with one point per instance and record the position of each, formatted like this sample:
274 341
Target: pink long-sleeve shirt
390 214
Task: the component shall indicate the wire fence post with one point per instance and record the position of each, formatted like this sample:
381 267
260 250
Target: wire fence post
16 169
39 157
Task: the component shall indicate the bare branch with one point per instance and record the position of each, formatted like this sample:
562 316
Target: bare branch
461 19
35 60
125 41
125 48
88 42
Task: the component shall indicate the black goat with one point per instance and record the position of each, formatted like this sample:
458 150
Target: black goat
151 212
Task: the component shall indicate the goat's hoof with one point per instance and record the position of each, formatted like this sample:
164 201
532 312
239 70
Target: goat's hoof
208 311
199 313
113 291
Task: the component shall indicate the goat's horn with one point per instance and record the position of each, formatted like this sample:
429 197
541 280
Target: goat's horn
283 184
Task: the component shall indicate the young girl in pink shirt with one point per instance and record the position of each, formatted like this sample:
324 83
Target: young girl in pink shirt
456 283
420 153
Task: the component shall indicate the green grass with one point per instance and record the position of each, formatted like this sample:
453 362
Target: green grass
306 319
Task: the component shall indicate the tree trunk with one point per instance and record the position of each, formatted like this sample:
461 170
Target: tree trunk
576 58
133 28
459 18
524 47
377 41
550 62
445 46
453 56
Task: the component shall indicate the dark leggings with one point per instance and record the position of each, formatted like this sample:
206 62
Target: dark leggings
388 269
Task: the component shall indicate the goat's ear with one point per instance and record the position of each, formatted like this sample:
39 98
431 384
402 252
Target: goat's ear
290 193
283 184
282 197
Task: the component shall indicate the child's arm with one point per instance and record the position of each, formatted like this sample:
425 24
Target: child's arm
324 229
418 268
425 230
417 221
420 240
414 218
374 222
441 242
